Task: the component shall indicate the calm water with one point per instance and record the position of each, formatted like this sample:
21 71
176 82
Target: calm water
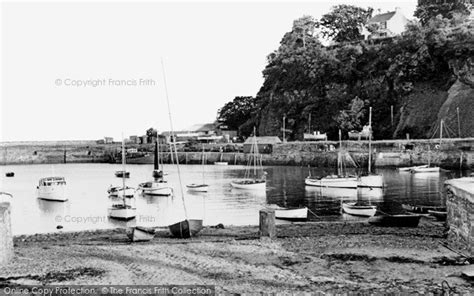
88 200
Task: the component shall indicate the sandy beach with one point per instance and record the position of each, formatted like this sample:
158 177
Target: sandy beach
306 257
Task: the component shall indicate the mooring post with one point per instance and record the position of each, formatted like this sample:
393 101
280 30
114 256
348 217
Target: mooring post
267 223
6 238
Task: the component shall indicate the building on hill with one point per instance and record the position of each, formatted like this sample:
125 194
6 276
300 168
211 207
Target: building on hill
264 144
385 25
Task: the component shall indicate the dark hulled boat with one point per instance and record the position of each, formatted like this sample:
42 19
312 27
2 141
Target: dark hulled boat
186 228
10 174
395 220
122 174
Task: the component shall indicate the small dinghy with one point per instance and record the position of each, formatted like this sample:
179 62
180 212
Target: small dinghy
355 209
10 174
408 169
140 234
402 220
422 209
197 187
122 174
186 228
290 214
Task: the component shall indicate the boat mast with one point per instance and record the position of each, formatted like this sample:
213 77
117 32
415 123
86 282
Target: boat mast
174 140
339 156
203 180
370 140
441 132
255 152
123 169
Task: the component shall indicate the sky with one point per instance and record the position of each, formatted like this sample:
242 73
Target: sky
85 70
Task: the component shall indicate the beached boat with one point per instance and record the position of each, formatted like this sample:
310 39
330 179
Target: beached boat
186 229
370 179
125 209
10 174
159 186
52 188
203 187
342 179
291 214
140 234
5 197
408 169
422 209
257 180
356 209
122 174
395 220
439 215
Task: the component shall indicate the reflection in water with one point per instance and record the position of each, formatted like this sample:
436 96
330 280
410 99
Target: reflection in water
88 200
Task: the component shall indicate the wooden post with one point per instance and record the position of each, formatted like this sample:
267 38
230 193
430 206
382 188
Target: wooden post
267 223
6 238
408 136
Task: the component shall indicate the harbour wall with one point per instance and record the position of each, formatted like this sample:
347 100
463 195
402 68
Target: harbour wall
460 207
6 238
448 153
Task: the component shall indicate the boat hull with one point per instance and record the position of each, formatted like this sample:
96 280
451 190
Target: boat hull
157 188
408 169
248 184
52 193
426 170
356 210
197 187
10 174
395 220
439 215
186 228
372 181
221 163
343 182
299 214
122 213
140 234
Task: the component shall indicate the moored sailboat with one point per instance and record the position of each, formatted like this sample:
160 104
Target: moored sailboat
125 209
159 186
203 187
342 179
258 180
370 179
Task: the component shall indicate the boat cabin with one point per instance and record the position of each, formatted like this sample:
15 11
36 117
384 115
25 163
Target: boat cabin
50 181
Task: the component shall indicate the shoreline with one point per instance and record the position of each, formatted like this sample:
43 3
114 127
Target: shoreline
334 257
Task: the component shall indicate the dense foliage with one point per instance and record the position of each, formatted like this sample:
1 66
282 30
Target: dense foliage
336 84
429 9
237 112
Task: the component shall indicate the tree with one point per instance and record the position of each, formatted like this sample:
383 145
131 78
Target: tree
352 119
344 22
236 112
429 9
151 134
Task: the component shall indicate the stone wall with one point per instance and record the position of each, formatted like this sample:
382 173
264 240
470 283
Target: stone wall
460 206
6 239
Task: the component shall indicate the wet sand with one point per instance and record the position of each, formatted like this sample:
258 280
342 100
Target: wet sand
306 257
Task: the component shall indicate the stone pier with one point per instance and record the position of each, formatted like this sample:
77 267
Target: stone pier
460 206
6 238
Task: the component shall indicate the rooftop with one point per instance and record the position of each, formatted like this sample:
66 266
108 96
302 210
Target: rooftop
380 18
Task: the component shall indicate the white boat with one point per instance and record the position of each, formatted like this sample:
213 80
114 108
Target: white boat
293 214
140 234
342 179
315 136
122 211
255 165
427 169
356 209
332 181
370 179
52 188
118 191
5 197
221 163
198 187
203 187
408 169
125 209
159 186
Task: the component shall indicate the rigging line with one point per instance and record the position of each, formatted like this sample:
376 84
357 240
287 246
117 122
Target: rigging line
173 139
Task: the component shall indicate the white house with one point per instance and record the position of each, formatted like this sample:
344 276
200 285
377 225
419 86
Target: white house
388 24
